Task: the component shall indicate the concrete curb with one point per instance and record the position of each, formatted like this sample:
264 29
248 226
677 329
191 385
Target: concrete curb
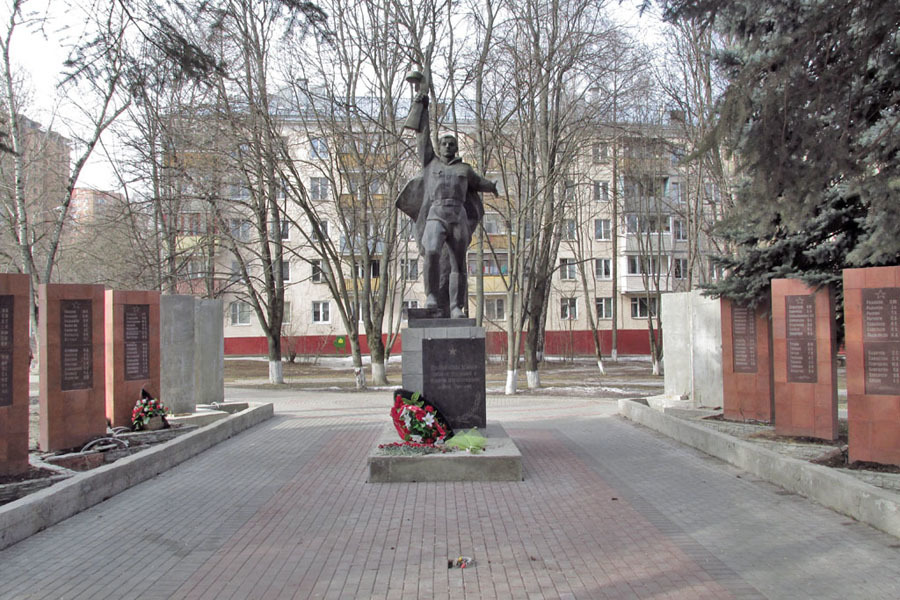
833 489
35 512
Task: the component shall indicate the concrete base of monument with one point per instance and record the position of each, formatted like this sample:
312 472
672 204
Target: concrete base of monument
500 461
201 417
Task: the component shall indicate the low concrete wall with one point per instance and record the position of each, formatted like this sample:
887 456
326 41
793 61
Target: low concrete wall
33 513
830 488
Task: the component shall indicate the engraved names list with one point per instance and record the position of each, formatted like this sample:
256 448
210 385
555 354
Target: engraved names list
137 341
743 339
76 344
800 325
881 340
6 350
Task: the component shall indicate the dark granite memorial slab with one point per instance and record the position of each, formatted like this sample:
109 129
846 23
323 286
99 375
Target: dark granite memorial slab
800 328
743 336
453 375
14 363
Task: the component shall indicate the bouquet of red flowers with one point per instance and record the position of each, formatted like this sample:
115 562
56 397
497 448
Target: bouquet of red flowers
416 421
146 408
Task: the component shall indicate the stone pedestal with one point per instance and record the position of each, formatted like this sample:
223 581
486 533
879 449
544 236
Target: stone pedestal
193 356
73 378
132 351
444 359
872 326
803 345
747 363
14 362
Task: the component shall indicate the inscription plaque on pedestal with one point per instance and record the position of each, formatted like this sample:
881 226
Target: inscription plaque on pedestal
453 375
743 339
76 345
6 350
800 333
881 340
137 341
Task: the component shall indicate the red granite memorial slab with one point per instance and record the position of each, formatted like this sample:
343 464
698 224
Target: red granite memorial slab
872 344
132 351
73 399
804 369
14 363
747 363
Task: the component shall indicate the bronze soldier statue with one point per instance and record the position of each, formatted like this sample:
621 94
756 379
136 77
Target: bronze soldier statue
445 205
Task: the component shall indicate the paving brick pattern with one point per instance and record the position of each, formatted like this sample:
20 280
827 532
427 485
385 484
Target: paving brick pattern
607 510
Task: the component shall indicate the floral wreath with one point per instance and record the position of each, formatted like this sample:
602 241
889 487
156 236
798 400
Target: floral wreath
144 409
416 421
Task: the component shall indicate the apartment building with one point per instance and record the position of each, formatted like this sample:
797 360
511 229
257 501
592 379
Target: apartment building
630 227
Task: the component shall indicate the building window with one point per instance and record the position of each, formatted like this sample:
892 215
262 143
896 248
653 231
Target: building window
318 148
639 308
493 224
323 228
192 223
318 276
602 229
567 270
194 269
528 229
235 274
285 229
240 313
680 268
409 269
319 188
568 309
568 229
321 312
494 308
675 193
286 319
602 268
679 231
601 191
604 308
407 304
599 152
285 270
239 229
644 265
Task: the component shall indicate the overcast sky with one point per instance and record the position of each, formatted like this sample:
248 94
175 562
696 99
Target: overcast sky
41 52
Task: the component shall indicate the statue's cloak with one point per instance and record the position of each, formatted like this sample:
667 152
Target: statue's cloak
411 201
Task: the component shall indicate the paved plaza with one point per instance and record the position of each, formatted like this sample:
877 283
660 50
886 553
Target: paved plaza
607 510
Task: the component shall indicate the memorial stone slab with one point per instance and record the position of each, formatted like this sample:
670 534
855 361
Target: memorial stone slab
746 362
872 344
805 372
192 352
14 365
72 365
132 351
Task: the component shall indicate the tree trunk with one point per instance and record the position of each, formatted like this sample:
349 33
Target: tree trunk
512 381
276 371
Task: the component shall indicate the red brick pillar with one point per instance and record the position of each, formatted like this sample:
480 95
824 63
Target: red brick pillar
803 344
747 362
73 402
15 353
132 351
872 326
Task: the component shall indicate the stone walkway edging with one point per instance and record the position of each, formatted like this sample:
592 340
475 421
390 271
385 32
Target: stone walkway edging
833 489
26 516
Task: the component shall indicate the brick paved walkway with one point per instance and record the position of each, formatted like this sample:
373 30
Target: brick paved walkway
607 510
